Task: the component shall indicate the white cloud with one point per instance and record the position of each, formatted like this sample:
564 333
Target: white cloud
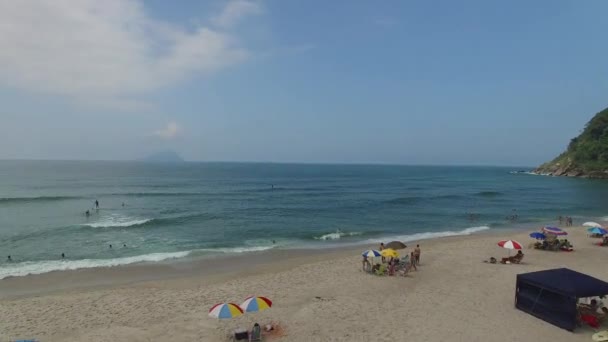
90 50
235 11
169 132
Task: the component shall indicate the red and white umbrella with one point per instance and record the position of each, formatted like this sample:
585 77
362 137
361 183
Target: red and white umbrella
510 244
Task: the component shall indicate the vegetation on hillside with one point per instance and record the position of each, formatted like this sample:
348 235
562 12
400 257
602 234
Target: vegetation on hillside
587 154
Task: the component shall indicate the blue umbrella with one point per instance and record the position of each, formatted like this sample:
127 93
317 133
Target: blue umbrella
597 230
538 236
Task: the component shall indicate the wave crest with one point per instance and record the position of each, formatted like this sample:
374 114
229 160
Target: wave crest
39 267
336 236
111 223
9 200
431 235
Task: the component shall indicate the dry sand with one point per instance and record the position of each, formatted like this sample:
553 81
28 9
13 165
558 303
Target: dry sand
453 296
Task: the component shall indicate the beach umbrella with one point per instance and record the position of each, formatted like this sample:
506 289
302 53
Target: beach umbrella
597 230
225 310
510 244
538 236
554 231
255 304
592 224
389 253
372 253
395 245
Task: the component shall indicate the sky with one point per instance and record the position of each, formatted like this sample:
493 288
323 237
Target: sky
401 82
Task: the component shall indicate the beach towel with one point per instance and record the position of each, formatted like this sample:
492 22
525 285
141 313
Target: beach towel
601 336
592 321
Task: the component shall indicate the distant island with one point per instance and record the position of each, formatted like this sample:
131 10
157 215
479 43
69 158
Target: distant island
164 157
587 154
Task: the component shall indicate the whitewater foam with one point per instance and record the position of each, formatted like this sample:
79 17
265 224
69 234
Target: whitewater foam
336 236
430 235
113 222
237 250
39 267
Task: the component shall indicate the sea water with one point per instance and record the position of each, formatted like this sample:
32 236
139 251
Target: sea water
150 212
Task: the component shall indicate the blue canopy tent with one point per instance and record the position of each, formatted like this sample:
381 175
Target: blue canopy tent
552 295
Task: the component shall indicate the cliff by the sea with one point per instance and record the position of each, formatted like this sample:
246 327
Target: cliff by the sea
587 154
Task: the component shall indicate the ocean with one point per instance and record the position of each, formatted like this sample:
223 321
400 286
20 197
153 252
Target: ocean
155 212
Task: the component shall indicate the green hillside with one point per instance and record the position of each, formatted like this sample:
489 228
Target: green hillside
587 154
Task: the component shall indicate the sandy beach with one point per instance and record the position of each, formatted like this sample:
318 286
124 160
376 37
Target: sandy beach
317 297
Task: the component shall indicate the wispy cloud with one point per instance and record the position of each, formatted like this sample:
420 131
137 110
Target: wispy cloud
169 132
90 50
234 11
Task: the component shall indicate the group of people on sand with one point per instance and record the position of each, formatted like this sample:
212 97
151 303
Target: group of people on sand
567 220
393 266
555 245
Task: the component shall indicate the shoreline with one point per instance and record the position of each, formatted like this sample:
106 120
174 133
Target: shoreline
192 257
317 296
57 281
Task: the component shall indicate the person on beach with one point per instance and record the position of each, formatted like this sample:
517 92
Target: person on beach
381 249
560 219
366 264
417 254
413 262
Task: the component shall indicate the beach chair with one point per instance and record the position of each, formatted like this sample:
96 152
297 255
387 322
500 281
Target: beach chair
256 333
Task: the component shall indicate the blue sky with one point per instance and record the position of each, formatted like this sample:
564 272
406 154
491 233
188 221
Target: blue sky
412 82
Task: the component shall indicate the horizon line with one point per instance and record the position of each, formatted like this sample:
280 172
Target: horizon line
266 162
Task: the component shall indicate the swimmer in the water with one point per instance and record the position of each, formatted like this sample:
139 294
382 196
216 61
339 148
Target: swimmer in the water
96 204
87 213
9 258
62 255
110 246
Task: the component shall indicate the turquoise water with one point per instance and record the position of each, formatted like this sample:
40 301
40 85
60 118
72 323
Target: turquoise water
198 209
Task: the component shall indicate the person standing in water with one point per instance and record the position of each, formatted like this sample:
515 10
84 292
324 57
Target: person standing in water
96 204
62 255
9 259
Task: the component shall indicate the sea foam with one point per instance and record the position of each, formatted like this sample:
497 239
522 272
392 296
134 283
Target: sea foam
114 222
430 235
336 235
39 267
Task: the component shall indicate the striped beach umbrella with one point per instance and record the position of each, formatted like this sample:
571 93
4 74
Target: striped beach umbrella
510 244
225 310
255 304
597 230
554 231
372 253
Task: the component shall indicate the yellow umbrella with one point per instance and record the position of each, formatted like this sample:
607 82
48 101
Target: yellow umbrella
389 253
